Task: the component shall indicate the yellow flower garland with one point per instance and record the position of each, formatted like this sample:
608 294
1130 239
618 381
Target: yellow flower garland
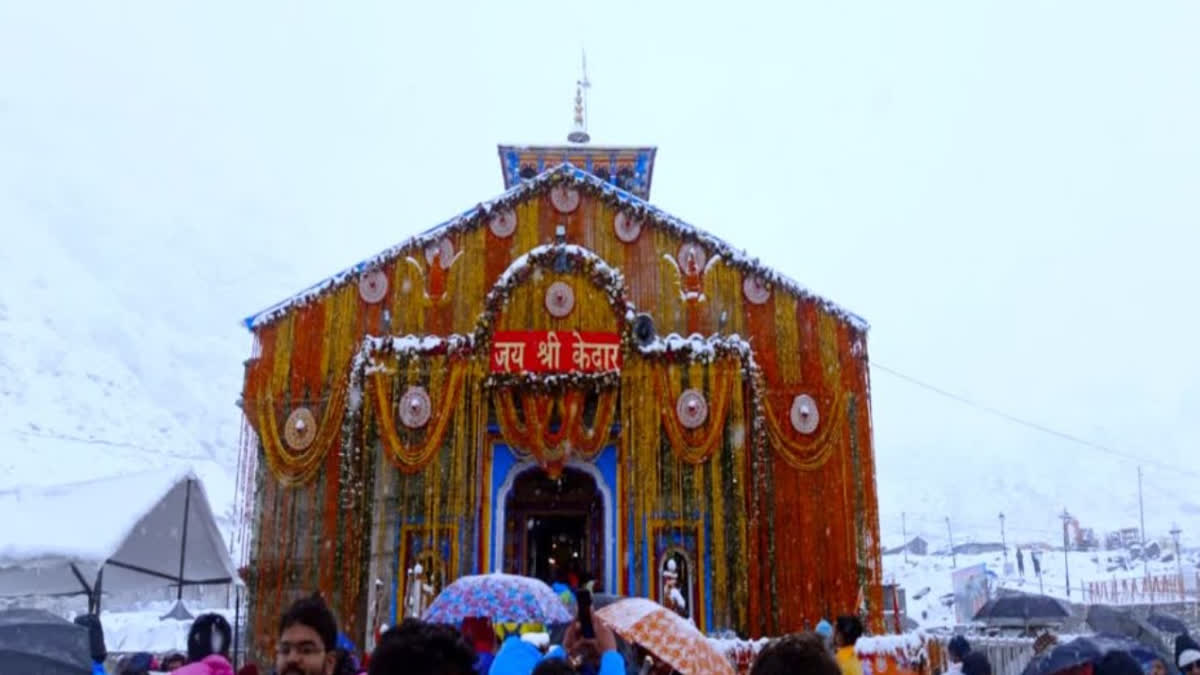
408 457
298 469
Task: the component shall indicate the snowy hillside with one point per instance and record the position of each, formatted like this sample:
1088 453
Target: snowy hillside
88 388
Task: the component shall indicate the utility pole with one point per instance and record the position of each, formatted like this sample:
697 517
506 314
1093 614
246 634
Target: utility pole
1175 532
1142 516
953 554
1066 518
904 529
1003 541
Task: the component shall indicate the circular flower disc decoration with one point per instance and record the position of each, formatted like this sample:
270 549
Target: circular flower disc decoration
300 429
691 408
503 224
805 417
692 258
756 290
565 199
373 286
628 229
415 407
443 251
560 299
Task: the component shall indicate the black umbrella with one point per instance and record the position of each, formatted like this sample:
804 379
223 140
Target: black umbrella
1022 608
1167 623
1084 650
34 642
1105 619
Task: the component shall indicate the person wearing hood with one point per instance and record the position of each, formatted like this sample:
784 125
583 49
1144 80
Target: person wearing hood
1187 655
956 650
209 640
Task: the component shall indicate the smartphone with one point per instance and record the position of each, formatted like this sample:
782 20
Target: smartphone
583 600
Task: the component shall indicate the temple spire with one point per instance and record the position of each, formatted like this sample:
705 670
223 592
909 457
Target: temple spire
579 132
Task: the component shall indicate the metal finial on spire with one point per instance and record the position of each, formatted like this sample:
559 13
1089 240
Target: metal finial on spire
579 132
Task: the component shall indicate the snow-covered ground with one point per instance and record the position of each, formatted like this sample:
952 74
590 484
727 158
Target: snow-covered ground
929 588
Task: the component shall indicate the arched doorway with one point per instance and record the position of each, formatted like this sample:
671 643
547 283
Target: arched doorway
555 528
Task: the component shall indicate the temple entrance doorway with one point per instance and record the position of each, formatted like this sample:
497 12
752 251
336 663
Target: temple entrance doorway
554 527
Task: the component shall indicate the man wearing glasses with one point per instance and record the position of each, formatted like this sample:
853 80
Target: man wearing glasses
307 639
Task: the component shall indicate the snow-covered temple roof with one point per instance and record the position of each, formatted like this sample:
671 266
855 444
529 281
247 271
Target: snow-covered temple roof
477 215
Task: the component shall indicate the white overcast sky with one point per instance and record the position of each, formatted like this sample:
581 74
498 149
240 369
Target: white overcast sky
1007 191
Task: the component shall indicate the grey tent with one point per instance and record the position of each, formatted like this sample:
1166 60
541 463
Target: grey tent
129 533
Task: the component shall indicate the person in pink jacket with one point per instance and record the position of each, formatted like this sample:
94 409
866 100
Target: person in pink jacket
208 647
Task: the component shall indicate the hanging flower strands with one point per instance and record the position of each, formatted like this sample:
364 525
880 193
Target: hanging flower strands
553 444
297 461
694 424
801 436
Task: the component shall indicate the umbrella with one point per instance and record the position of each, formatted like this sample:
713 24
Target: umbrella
1084 650
666 635
1167 623
35 642
1023 609
1105 619
503 598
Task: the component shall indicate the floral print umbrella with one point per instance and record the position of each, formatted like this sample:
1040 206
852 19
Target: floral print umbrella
503 598
666 635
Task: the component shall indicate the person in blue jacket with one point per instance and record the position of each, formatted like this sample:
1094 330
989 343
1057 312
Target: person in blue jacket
597 655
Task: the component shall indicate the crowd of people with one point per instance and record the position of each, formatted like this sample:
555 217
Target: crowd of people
309 643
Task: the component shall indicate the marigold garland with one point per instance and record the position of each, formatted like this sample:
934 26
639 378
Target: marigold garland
295 469
811 453
410 457
573 436
696 445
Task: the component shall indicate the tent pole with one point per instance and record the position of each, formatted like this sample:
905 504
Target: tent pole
187 507
237 622
99 583
86 589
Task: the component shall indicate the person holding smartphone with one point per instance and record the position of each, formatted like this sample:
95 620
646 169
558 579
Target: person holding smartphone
596 654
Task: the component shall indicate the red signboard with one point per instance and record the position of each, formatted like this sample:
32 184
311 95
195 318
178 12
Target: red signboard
555 352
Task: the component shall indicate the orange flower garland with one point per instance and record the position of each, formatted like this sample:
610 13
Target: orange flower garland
412 457
807 454
290 468
550 447
696 445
